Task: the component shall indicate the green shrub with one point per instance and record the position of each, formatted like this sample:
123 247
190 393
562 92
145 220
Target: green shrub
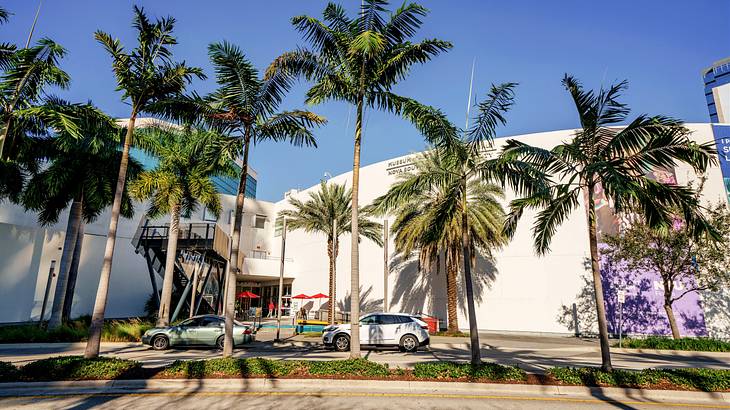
699 344
698 379
452 334
229 367
75 331
454 370
79 368
8 372
353 367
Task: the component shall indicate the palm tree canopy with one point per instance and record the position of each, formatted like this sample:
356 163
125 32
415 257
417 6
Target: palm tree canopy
148 75
330 202
364 57
188 160
429 206
616 158
78 166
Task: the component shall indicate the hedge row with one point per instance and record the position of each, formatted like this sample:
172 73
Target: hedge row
104 368
75 331
693 379
696 344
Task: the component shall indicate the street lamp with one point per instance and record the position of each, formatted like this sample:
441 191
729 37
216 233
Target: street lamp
281 283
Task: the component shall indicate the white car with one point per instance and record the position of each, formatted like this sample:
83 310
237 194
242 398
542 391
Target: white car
380 330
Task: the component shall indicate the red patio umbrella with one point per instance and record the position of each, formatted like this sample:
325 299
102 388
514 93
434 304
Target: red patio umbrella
247 294
301 296
319 296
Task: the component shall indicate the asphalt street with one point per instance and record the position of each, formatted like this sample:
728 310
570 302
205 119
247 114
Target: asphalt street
532 353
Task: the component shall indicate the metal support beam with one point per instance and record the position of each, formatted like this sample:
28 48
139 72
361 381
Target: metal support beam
202 288
153 280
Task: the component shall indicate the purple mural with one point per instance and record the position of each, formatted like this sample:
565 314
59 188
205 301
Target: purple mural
643 309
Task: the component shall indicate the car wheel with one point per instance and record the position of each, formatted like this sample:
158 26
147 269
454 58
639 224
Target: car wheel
409 343
341 343
220 342
160 343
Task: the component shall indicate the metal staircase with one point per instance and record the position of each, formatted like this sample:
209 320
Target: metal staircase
199 264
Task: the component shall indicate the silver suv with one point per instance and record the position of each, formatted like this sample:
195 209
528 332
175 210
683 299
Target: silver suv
380 330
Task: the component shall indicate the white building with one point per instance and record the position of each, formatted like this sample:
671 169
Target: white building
518 292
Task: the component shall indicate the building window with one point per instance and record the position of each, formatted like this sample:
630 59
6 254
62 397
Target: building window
209 216
259 222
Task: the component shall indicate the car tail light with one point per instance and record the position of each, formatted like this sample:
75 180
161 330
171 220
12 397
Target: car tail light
425 327
246 331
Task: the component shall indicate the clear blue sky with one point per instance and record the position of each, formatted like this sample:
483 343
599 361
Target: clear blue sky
660 46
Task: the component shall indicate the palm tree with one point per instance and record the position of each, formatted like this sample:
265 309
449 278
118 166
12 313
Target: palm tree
318 214
146 76
245 107
80 171
457 180
614 159
181 182
359 62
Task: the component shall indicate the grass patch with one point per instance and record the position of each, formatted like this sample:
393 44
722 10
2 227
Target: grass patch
78 368
75 331
311 334
697 344
453 370
451 334
692 379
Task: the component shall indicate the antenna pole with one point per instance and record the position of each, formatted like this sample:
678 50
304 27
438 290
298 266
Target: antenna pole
32 27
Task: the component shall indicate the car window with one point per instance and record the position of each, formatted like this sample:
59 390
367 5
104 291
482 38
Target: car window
211 322
389 319
191 322
369 320
404 319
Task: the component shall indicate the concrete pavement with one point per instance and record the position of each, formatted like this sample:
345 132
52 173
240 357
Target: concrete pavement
338 394
532 353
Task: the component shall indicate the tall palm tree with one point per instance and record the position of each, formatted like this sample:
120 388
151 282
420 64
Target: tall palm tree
615 159
458 171
245 107
318 214
79 171
181 182
146 76
359 61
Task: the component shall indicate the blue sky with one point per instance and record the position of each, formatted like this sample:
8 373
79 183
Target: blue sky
659 46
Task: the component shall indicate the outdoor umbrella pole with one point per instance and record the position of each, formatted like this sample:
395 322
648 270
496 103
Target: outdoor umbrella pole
281 283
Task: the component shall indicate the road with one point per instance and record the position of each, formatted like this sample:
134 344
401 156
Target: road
532 353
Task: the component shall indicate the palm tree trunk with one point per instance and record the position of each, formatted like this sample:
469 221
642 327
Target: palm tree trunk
69 243
355 246
4 134
331 294
598 285
672 320
466 249
102 292
73 274
235 244
163 316
452 269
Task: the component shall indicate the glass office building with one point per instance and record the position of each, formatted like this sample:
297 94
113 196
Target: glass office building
225 185
717 90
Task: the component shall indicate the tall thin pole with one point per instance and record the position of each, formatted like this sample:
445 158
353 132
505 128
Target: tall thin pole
48 288
32 27
281 282
471 87
385 265
333 301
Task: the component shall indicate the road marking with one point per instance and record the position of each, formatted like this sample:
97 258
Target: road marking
393 395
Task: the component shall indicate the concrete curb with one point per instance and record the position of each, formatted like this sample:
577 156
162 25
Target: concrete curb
369 387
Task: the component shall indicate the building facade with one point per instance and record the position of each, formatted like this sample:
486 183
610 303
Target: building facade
516 291
717 90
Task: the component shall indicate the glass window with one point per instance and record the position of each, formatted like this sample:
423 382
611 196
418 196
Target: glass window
369 320
259 222
196 321
404 319
211 322
389 319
